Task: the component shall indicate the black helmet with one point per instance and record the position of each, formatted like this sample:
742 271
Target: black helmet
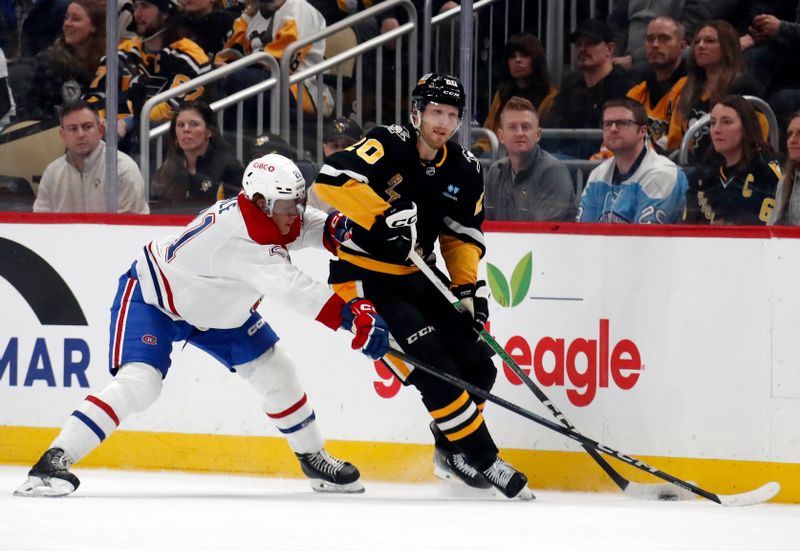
438 88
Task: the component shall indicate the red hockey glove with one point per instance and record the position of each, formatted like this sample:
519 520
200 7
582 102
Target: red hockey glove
475 298
338 229
372 334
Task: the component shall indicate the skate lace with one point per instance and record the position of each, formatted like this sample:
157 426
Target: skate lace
499 473
325 463
460 463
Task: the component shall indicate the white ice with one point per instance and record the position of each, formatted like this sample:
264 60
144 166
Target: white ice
124 510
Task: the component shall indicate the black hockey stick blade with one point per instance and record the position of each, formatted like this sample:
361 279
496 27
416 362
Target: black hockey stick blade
664 492
759 495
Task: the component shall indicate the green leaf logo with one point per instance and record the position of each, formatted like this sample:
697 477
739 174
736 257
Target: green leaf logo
520 282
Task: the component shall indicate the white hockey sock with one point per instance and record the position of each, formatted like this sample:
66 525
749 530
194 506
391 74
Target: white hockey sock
284 399
135 387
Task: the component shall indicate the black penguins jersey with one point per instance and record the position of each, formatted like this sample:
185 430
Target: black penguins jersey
363 180
743 197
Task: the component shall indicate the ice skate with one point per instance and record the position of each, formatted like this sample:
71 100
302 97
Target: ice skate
328 474
509 481
50 477
450 464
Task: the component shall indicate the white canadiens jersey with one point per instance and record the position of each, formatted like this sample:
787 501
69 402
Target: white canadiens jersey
213 273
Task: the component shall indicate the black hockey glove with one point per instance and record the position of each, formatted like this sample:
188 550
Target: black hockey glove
393 234
475 298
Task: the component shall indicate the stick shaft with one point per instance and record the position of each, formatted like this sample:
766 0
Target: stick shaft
568 432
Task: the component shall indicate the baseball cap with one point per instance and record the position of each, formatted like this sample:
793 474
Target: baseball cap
342 128
165 5
595 29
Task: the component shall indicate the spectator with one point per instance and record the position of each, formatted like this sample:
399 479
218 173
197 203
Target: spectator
272 28
76 182
787 209
631 18
738 186
636 185
772 60
715 68
7 107
200 167
65 70
523 74
529 184
158 59
337 135
664 80
579 104
210 26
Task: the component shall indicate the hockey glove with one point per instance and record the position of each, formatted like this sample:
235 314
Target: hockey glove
372 334
393 234
338 229
475 298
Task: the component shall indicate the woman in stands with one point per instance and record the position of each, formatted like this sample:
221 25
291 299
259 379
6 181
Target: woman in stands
715 68
200 167
524 74
64 71
742 172
787 209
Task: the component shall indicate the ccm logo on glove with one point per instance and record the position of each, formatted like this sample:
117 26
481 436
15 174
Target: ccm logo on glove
371 333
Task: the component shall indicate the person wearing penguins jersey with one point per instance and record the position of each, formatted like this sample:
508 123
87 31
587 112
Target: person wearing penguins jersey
401 189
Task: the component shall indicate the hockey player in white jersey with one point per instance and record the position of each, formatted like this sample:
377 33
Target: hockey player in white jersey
202 287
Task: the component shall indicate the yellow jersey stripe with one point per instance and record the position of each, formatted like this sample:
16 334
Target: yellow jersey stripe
450 408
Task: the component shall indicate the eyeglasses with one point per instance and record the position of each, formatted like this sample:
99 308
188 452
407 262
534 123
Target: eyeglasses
621 123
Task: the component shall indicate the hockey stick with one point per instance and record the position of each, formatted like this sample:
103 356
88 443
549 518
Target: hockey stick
628 487
759 495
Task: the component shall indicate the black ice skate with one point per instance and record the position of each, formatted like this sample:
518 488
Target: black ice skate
50 477
450 464
509 481
328 474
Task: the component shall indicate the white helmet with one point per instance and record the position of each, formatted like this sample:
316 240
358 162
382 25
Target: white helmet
276 178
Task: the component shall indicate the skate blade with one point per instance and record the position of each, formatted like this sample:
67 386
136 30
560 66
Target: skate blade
525 495
324 486
38 487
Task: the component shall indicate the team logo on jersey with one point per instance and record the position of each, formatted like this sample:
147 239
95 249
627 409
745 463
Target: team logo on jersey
399 131
277 250
205 185
430 171
471 158
451 192
149 339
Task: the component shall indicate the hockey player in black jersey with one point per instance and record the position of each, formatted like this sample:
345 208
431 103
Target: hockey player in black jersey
402 188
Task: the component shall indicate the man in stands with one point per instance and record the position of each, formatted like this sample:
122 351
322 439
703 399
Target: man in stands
529 184
161 57
76 181
661 88
580 102
636 185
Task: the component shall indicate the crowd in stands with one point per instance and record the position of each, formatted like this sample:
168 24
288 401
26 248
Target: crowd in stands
679 62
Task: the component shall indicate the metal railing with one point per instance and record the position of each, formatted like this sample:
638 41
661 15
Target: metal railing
699 124
146 134
289 78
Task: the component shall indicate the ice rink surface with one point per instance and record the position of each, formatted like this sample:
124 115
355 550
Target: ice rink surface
123 510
